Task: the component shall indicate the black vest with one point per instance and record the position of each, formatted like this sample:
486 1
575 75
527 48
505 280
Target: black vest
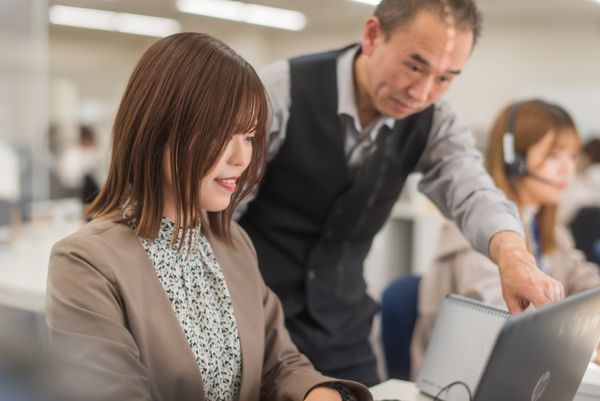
312 226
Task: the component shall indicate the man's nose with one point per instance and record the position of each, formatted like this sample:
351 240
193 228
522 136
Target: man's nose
421 89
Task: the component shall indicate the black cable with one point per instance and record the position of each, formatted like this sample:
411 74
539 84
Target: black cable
449 386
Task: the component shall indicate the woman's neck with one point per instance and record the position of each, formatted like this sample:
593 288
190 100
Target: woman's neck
528 213
169 210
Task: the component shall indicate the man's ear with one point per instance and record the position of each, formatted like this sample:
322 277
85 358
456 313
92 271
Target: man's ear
373 36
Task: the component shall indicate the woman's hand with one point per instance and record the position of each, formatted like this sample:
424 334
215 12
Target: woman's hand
597 360
323 394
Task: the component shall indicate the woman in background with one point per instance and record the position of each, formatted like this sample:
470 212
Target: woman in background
547 138
160 297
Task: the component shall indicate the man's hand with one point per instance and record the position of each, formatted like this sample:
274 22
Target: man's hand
522 281
323 394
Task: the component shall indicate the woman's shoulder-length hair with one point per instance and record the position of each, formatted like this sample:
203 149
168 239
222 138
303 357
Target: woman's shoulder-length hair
189 93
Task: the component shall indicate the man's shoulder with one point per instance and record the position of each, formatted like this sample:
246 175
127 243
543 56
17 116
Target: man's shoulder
443 109
275 75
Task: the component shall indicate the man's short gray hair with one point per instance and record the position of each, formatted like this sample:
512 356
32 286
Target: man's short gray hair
464 14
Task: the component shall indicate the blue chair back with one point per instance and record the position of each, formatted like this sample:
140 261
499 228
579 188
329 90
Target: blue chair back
398 318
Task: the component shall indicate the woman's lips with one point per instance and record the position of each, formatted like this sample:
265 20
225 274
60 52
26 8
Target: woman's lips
227 183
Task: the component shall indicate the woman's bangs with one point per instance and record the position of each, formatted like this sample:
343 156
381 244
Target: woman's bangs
250 110
567 138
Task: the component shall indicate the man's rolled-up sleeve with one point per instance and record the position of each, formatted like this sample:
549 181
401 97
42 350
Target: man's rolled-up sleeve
455 179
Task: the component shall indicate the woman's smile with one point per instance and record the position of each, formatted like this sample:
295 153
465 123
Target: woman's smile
227 183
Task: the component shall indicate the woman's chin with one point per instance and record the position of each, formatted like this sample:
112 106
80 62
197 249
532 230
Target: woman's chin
216 205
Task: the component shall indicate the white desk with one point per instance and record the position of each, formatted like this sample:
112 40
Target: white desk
24 264
589 389
398 390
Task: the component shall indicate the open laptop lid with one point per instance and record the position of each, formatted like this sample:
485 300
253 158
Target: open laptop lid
542 355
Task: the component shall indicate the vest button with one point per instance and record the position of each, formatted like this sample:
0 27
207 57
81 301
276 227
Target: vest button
311 274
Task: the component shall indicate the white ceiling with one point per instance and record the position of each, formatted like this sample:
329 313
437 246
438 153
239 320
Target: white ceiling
332 14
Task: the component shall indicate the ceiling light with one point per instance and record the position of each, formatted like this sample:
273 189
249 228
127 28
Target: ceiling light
244 12
110 21
373 2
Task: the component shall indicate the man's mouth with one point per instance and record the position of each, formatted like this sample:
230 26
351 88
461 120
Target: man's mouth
403 107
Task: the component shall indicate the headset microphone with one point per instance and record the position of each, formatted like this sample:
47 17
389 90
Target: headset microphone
543 180
515 164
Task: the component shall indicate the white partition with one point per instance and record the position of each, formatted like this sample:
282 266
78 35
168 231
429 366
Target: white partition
23 89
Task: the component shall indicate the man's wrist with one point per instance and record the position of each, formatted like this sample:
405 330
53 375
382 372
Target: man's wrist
505 243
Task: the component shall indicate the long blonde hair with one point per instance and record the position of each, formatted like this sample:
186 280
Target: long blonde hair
535 118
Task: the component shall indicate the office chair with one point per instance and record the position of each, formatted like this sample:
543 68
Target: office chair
398 318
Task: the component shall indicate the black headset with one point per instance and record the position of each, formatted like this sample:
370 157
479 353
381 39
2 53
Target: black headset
515 163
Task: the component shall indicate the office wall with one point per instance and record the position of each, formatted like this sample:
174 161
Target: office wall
559 61
513 59
23 88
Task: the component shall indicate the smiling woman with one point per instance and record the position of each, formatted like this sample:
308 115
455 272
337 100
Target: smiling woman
160 296
187 99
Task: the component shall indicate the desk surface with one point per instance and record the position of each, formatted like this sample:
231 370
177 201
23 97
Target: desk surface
407 391
24 264
398 390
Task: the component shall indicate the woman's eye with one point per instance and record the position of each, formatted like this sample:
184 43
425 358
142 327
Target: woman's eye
250 138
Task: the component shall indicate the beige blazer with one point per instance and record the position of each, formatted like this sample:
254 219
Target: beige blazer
459 269
109 317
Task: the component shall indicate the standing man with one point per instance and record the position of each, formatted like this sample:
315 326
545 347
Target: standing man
348 127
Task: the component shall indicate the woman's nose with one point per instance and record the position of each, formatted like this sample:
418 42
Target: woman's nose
240 151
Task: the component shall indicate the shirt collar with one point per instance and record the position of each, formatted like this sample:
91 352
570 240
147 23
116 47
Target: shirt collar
345 85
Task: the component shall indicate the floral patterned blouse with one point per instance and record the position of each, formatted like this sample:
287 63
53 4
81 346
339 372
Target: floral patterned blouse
199 296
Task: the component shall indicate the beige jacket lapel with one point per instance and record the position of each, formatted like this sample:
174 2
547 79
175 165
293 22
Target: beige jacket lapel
247 308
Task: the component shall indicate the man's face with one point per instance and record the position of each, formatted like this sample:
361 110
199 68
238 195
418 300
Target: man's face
415 67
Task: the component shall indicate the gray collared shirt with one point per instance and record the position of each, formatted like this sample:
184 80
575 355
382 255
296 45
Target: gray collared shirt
453 174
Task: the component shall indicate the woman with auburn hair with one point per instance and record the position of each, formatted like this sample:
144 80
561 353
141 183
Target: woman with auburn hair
160 296
545 139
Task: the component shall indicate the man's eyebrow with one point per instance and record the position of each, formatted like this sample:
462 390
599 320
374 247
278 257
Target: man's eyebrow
418 58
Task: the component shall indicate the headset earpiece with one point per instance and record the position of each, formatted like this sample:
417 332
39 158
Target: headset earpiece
515 164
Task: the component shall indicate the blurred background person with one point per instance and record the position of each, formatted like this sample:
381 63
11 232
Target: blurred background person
584 191
546 146
77 164
10 189
580 206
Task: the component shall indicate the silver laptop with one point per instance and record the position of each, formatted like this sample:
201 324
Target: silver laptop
543 355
